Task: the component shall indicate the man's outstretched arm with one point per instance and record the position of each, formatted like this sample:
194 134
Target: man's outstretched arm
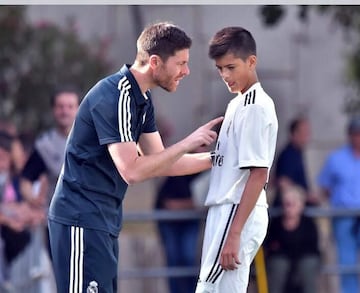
155 160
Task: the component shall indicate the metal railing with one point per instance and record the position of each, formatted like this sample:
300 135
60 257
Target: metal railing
162 215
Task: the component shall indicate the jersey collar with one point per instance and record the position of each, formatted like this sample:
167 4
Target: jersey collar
139 97
254 86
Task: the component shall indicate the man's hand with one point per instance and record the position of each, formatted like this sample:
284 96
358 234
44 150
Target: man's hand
229 258
204 135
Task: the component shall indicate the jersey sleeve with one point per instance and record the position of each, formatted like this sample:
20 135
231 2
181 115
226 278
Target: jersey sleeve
252 134
112 119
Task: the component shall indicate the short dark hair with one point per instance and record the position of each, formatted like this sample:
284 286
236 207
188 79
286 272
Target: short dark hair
65 88
6 141
354 125
163 39
233 39
295 123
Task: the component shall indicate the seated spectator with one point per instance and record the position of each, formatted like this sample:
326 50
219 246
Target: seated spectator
291 247
15 216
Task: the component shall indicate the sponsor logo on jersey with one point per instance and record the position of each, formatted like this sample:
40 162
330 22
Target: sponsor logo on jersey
216 159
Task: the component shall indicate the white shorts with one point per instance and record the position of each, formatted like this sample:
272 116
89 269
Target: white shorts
213 279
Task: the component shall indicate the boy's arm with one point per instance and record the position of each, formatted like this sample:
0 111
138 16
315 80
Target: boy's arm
257 179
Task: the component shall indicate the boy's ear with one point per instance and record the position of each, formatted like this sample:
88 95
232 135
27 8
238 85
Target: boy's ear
252 61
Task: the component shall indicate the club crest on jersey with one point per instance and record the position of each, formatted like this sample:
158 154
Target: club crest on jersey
93 287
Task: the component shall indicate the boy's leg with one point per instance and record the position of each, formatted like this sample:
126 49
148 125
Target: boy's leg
252 237
212 277
218 222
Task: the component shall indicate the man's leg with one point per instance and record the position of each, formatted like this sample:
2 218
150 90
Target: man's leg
308 269
83 259
346 247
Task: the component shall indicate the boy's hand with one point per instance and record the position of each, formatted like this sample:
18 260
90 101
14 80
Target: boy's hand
229 258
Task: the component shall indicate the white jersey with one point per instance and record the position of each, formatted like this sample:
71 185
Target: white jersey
247 138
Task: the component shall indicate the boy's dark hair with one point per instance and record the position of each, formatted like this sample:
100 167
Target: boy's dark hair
235 40
163 39
66 88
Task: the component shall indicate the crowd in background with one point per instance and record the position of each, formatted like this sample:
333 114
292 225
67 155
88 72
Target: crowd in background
28 172
29 169
292 246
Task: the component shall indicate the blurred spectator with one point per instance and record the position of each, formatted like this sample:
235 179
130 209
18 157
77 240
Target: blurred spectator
40 173
291 247
290 165
15 215
179 238
18 153
339 181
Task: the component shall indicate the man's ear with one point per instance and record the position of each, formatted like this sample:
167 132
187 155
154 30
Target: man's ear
154 61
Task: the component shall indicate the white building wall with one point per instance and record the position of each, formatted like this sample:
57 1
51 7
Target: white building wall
300 65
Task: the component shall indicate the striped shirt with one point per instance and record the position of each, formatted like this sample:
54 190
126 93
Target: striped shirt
90 191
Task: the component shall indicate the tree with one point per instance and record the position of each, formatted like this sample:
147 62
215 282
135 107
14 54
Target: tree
36 58
346 17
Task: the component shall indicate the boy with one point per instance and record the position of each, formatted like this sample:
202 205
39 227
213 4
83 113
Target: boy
237 216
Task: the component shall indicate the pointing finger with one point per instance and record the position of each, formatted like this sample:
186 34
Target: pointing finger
214 122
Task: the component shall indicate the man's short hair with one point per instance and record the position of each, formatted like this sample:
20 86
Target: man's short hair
163 39
354 124
295 123
66 88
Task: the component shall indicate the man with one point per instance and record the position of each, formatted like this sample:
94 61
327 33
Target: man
115 142
47 156
290 165
237 217
339 180
40 173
